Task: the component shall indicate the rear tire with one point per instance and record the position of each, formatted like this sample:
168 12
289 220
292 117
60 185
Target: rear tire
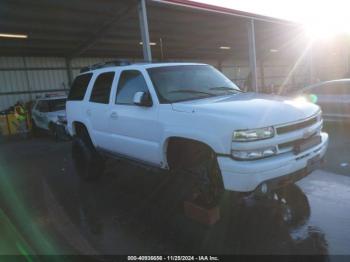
88 163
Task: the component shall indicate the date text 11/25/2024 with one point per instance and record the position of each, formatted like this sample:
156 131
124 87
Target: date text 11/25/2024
173 258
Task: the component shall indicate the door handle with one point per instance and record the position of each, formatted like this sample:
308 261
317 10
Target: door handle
114 115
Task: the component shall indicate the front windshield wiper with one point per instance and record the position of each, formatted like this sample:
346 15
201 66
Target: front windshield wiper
192 91
225 88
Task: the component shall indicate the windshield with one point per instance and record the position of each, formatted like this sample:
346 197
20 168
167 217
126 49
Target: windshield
188 82
57 104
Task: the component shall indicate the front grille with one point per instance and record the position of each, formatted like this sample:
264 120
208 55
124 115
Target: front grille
292 143
296 144
297 126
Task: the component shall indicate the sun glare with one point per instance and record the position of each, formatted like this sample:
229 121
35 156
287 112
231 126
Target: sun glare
322 19
318 32
326 29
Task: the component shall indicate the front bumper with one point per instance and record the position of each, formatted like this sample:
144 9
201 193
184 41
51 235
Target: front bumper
62 130
246 176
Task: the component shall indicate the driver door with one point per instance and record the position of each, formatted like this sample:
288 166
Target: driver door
134 130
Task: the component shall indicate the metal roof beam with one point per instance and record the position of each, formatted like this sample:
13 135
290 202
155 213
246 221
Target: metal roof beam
103 30
225 11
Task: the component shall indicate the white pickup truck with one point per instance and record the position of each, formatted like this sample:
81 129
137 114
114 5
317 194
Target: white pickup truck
178 116
49 114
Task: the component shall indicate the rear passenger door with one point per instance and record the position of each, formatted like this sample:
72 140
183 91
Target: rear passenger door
135 130
98 108
76 106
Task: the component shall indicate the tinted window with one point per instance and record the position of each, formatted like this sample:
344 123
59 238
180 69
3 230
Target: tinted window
130 82
43 106
57 104
102 88
79 86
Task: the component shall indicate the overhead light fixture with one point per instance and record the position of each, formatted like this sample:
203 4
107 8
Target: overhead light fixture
150 43
225 47
13 35
274 50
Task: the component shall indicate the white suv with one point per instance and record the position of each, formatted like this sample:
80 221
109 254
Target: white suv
189 116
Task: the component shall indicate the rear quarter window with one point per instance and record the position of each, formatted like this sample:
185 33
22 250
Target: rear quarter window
79 86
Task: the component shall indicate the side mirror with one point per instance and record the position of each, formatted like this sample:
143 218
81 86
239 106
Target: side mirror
142 99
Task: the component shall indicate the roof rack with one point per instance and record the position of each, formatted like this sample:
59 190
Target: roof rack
105 64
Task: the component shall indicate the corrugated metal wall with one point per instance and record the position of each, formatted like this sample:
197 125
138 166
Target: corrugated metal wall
25 78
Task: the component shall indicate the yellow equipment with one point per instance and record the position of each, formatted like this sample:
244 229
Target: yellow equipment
10 124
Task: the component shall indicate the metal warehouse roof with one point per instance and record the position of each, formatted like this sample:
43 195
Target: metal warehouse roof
110 28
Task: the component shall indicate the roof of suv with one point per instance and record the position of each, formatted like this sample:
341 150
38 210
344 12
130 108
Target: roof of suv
51 98
140 65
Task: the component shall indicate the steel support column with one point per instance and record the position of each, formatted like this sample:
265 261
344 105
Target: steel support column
69 71
252 55
311 65
347 64
147 55
220 65
27 78
262 75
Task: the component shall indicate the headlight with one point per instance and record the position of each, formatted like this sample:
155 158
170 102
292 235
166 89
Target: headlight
253 134
253 154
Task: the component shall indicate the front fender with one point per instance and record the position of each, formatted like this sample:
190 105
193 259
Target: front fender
215 142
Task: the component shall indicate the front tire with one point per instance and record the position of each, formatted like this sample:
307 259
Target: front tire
88 163
35 129
295 205
208 180
53 131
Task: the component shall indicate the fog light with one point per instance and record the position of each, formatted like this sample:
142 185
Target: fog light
253 154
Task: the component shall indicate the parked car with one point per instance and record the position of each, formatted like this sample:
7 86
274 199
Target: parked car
189 116
332 96
49 114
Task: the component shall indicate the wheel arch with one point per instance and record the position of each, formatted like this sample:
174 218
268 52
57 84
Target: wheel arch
79 128
174 144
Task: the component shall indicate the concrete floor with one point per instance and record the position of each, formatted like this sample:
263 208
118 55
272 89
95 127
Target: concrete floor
133 211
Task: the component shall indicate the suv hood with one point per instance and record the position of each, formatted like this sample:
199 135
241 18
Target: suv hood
251 109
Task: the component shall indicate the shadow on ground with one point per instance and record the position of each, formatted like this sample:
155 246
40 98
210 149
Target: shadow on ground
133 211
